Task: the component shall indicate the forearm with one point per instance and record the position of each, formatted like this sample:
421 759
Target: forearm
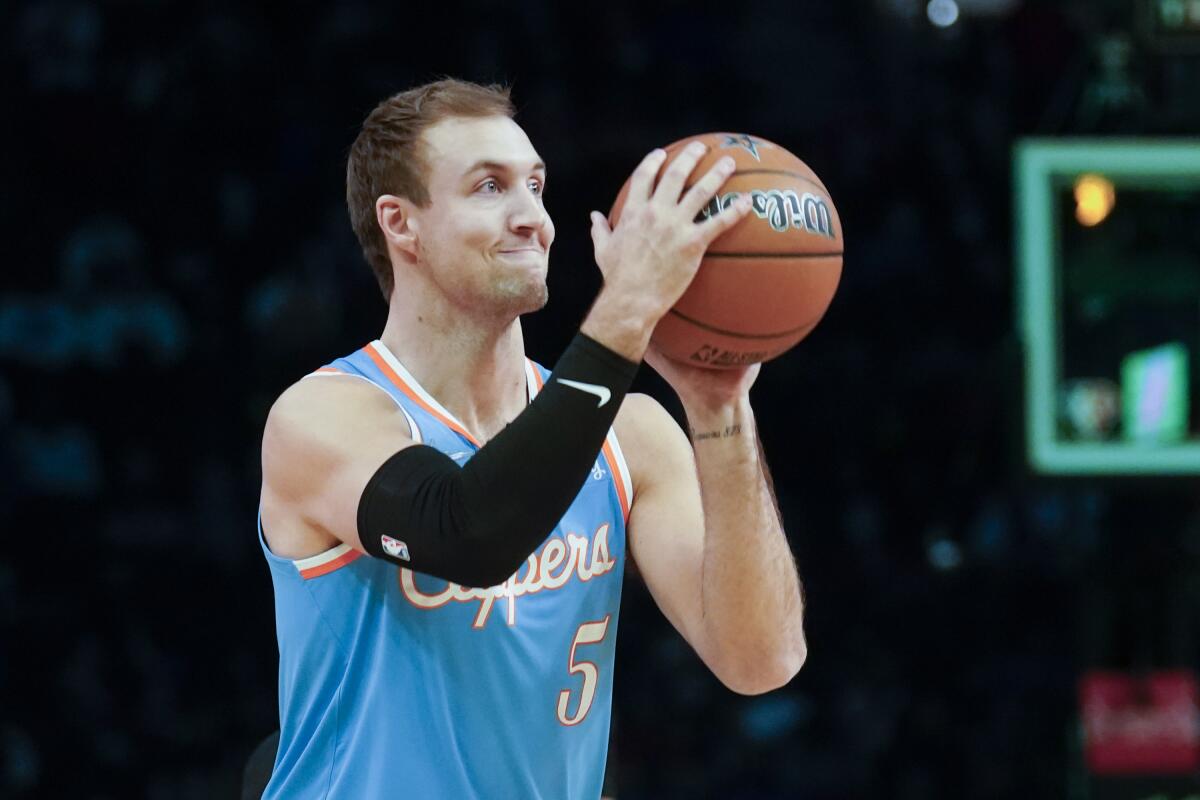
622 322
750 590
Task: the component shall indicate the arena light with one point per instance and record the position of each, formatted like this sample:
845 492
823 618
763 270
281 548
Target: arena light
942 13
1095 197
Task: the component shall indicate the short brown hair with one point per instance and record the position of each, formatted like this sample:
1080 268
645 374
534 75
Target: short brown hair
386 156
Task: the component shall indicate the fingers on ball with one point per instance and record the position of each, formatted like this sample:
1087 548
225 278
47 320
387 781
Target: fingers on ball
717 224
676 174
642 181
703 191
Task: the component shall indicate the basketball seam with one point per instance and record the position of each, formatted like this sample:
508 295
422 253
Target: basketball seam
798 176
735 334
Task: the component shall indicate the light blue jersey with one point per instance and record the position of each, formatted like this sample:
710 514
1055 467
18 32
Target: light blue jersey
394 684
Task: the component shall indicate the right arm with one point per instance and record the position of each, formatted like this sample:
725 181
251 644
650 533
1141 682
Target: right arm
324 439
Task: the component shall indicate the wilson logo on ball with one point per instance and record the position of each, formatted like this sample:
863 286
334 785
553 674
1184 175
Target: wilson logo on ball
782 209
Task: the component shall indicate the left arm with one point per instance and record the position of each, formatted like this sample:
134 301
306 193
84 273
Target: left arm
705 529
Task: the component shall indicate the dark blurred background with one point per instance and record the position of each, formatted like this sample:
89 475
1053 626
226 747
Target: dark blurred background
178 252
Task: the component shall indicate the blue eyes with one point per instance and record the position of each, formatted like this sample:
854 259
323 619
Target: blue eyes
492 186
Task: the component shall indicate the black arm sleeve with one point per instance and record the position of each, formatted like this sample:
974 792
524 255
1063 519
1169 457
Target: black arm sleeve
476 525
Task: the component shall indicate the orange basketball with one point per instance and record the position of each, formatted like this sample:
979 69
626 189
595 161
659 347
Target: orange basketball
764 284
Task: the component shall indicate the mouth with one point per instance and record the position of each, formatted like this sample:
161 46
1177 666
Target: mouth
523 254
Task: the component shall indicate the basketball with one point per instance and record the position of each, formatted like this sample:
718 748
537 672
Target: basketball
764 284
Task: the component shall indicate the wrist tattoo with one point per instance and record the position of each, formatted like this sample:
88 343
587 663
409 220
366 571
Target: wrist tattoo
729 430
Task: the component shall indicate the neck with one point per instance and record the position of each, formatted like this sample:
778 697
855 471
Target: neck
474 368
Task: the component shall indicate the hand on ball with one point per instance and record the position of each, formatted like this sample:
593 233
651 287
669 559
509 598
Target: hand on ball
655 249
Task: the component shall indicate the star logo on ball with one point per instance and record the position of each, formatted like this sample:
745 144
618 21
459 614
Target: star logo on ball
742 140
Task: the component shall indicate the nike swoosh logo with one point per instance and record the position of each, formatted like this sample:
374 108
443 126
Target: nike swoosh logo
600 391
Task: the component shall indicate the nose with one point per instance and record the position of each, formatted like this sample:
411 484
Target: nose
527 216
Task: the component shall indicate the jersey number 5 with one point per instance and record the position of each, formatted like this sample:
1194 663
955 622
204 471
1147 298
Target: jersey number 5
588 633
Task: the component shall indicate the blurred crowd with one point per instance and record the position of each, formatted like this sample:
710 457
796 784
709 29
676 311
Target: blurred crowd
179 252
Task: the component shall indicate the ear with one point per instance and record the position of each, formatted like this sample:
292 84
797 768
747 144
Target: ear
395 218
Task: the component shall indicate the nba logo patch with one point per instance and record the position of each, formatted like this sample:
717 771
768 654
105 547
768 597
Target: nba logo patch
395 548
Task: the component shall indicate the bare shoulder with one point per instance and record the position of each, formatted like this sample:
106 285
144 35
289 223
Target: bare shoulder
319 417
323 439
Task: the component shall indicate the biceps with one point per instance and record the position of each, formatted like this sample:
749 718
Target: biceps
334 502
316 462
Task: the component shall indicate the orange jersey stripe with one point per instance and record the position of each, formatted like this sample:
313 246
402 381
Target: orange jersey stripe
416 398
618 478
329 566
537 375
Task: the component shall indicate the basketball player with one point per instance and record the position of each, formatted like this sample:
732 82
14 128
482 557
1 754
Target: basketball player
446 522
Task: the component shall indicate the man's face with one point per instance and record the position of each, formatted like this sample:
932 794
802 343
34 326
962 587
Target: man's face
485 236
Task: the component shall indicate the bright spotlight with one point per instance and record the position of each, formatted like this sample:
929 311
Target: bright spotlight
942 13
1095 197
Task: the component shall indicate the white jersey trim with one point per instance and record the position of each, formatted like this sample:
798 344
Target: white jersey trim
321 558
